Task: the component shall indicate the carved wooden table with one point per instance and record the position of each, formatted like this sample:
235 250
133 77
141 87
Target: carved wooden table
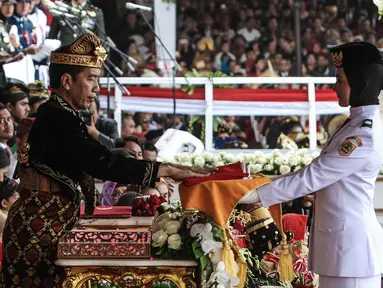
128 273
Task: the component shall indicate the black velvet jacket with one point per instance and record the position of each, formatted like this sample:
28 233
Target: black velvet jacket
61 148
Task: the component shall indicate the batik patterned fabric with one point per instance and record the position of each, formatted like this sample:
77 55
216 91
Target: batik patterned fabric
35 224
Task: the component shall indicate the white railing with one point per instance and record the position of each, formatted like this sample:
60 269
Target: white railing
209 83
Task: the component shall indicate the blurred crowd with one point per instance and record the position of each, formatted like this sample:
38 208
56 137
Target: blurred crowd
253 38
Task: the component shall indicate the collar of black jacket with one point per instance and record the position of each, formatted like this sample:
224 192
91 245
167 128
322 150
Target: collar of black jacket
63 103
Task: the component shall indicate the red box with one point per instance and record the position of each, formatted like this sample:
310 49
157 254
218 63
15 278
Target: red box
105 244
109 212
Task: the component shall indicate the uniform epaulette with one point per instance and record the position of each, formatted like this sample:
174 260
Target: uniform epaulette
367 123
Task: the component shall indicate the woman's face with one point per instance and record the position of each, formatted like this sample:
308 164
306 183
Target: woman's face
117 193
342 88
311 59
260 65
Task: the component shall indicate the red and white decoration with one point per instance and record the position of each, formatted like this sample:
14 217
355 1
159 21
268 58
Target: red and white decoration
229 101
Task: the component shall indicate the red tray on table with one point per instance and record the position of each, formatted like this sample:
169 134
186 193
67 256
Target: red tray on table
107 212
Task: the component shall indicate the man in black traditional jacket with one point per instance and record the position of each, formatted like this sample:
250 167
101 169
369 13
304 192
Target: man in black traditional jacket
57 158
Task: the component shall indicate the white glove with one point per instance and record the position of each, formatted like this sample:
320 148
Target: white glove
250 198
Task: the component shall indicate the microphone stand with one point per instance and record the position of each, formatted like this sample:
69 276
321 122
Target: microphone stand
109 42
107 94
174 68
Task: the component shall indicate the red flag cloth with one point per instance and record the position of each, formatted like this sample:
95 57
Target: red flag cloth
295 223
109 212
227 172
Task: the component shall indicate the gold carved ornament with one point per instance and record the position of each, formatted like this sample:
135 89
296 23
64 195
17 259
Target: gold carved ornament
134 277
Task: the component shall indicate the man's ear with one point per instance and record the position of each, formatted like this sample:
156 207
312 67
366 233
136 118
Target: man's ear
66 81
4 204
9 106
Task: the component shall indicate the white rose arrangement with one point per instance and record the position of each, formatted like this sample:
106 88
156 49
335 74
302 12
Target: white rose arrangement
166 239
274 163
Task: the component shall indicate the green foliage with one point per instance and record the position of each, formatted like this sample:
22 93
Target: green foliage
163 284
203 259
194 73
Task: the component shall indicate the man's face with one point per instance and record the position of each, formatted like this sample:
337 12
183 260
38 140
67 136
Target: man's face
346 37
83 90
129 127
7 10
78 2
150 155
6 125
272 24
225 47
33 4
20 110
133 146
145 122
342 88
283 65
23 8
322 61
7 204
250 24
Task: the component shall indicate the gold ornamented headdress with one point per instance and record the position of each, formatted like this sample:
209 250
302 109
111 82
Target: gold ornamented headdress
38 89
16 90
86 51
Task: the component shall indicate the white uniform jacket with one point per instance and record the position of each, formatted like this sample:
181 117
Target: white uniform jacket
346 238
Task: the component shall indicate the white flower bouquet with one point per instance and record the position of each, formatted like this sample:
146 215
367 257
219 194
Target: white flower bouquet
274 163
170 234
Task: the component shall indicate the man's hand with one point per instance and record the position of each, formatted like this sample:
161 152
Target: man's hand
309 198
92 130
170 183
15 43
166 188
32 49
15 58
4 55
180 173
193 169
250 207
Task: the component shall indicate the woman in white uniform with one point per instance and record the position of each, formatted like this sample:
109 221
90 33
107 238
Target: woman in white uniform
346 245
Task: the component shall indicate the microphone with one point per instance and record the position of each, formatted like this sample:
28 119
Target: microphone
132 6
118 70
69 8
132 60
49 4
130 66
55 12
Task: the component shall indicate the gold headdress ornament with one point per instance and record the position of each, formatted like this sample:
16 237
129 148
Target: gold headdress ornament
338 58
16 90
86 51
38 89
